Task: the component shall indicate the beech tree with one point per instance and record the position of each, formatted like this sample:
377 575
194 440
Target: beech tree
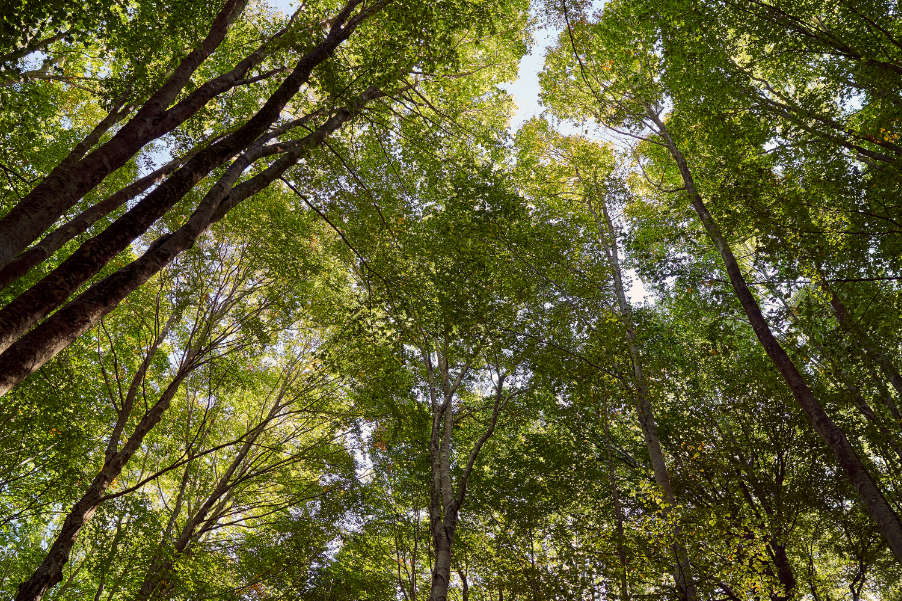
297 303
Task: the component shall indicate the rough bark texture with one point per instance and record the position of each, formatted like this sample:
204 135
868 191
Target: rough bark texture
78 225
872 499
41 299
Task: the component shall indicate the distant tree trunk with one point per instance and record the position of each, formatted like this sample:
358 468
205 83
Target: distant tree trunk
465 586
785 574
442 539
875 504
618 514
608 237
871 351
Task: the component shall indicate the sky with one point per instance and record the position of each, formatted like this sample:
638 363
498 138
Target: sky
525 89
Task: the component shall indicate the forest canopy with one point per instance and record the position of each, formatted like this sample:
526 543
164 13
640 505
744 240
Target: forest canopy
292 308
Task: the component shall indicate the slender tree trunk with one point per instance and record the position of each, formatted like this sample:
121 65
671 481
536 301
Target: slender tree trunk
864 342
873 501
50 572
442 513
465 586
608 237
618 513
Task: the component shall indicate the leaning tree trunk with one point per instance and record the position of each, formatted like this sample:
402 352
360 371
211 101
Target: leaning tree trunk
50 572
75 176
872 499
44 297
41 344
868 347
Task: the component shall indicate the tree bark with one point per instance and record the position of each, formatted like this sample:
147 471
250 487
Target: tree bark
784 572
37 347
444 501
71 180
45 296
78 225
465 586
875 504
682 574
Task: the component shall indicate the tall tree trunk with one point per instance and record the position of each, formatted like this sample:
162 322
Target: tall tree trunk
41 299
864 342
785 574
41 344
441 568
79 224
50 572
608 237
618 513
73 178
875 504
442 512
444 501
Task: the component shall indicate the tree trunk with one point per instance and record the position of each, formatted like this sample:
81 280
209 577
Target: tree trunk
50 572
465 586
37 347
871 350
784 572
441 568
45 296
78 225
682 574
875 504
72 179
